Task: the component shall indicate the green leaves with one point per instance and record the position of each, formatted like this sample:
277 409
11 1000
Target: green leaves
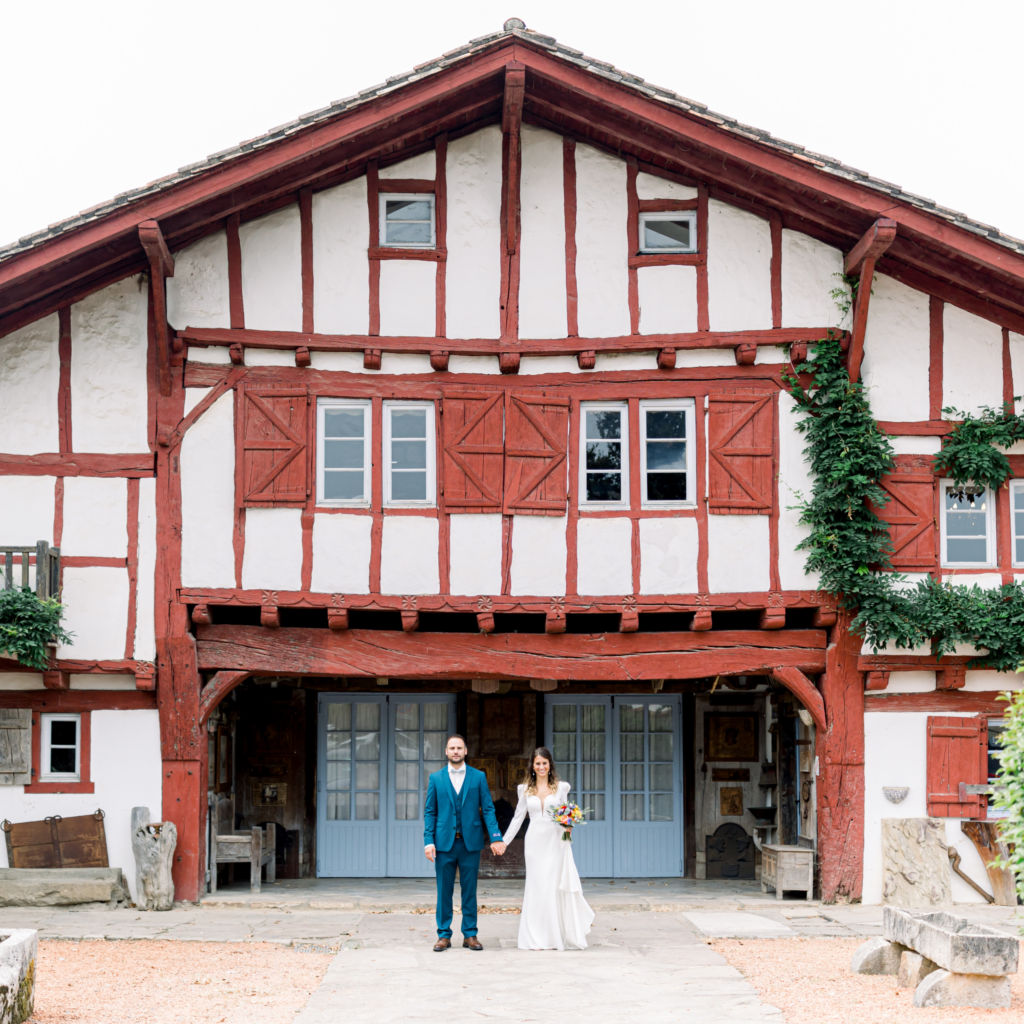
1010 797
968 454
28 624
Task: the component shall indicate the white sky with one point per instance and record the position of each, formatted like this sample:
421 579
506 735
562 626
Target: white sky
104 95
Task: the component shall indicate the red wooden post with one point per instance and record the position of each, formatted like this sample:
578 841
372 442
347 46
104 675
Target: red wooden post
569 189
306 248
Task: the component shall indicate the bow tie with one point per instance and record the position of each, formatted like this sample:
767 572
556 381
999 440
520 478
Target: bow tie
457 771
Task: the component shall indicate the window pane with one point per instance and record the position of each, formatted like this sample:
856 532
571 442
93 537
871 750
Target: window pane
367 806
1018 497
62 759
593 719
1018 517
563 747
407 746
407 716
661 746
593 746
593 804
604 424
367 746
63 733
368 775
666 423
661 807
407 806
433 745
338 806
631 776
660 717
632 747
666 234
567 773
343 422
368 716
408 454
966 524
429 767
666 487
666 455
633 807
604 487
339 716
631 718
604 455
435 716
407 209
661 777
408 234
407 776
344 485
962 550
563 717
409 486
339 774
409 423
593 777
1020 550
343 454
339 746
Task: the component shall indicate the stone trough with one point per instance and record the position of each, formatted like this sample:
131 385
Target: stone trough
19 951
83 888
947 960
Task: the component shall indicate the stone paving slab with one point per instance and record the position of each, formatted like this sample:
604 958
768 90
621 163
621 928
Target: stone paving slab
718 925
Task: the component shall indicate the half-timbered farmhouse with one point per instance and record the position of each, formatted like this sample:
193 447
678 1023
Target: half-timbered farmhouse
459 403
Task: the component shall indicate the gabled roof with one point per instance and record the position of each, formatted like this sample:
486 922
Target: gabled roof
937 249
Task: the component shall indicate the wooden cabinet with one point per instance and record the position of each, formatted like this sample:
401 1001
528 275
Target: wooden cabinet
787 867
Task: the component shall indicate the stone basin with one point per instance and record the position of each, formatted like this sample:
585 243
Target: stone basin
952 942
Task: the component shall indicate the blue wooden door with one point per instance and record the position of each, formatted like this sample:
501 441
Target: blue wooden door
419 725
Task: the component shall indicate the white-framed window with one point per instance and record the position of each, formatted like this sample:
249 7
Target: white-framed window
968 526
60 754
410 456
668 232
667 453
343 452
1017 521
407 221
604 454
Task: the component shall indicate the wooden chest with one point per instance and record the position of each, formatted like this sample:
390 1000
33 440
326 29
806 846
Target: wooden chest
787 867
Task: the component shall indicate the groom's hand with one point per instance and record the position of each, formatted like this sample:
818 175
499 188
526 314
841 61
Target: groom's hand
498 849
431 853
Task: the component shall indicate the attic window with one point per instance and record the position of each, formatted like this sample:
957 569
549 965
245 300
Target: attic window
407 221
668 232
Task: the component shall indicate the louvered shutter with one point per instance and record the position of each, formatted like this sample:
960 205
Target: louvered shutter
741 429
473 447
957 752
273 450
15 746
536 467
910 513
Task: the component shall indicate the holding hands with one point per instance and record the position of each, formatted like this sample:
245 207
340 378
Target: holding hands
498 848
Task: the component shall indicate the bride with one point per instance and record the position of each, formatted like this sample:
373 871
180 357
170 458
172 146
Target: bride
555 914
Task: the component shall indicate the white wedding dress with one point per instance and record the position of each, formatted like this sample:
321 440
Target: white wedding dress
555 914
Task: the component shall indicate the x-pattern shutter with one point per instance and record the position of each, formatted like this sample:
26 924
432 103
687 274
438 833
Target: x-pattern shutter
473 450
536 469
957 753
741 428
273 462
910 513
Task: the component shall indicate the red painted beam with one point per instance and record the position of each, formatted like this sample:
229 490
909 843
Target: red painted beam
800 686
875 241
216 690
76 464
159 255
511 122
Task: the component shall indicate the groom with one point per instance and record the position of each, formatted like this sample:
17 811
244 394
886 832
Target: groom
458 807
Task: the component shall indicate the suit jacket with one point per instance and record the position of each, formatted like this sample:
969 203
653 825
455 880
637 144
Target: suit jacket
472 809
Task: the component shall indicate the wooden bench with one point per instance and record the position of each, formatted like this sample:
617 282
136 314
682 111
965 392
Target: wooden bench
787 867
255 846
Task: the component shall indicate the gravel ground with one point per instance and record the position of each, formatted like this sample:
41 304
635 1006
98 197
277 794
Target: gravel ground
811 982
160 982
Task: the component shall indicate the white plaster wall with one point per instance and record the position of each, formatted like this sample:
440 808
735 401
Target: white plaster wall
650 186
796 484
530 365
602 246
273 549
1017 369
739 557
405 362
26 510
986 679
198 295
341 554
269 357
217 355
473 274
911 682
896 754
739 269
92 681
604 556
542 294
96 600
972 361
475 554
409 555
538 555
208 494
109 346
119 738
896 347
95 517
145 611
607 361
704 357
668 556
341 273
668 299
985 580
473 364
272 271
29 377
916 445
771 354
408 298
423 165
809 270
21 681
346 362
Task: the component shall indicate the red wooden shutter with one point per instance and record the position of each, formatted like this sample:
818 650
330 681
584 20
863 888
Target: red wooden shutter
910 513
473 450
272 458
957 752
536 467
741 430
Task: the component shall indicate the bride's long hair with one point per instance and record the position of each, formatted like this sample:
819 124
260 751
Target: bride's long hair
531 774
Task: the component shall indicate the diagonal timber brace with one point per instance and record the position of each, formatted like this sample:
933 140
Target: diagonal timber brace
161 266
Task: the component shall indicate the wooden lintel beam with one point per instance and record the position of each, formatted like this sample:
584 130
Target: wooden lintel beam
873 243
861 263
216 690
800 686
511 122
152 239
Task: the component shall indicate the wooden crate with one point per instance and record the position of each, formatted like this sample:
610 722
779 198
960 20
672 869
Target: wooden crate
787 867
57 842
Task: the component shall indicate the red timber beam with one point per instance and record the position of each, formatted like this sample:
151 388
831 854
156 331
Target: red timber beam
511 122
161 266
860 263
77 464
219 686
801 687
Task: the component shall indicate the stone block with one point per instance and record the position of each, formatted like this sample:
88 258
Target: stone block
19 951
915 864
914 968
877 956
943 988
952 942
50 887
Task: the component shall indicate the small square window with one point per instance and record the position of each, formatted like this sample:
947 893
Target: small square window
967 526
343 452
61 748
1017 521
604 455
409 453
407 221
668 232
666 453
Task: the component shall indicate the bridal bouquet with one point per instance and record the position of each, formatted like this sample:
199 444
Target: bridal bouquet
567 815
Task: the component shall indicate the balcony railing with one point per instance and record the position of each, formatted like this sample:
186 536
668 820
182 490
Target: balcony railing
47 562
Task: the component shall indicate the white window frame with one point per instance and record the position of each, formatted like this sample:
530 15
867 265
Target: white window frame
45 722
322 405
431 499
619 407
416 197
1016 486
688 406
990 531
690 215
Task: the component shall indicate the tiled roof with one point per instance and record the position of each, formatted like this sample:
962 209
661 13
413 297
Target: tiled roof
514 28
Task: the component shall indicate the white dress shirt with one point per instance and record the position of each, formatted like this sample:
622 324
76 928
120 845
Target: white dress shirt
457 777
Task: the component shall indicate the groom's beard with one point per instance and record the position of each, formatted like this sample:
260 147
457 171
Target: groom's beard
457 763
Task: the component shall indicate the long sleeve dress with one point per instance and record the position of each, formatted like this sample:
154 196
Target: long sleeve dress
555 914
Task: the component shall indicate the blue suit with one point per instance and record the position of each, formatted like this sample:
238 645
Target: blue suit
458 825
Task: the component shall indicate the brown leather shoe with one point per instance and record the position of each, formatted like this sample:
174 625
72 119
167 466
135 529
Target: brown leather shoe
441 945
472 942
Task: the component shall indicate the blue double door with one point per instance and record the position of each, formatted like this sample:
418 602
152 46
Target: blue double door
375 755
621 755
